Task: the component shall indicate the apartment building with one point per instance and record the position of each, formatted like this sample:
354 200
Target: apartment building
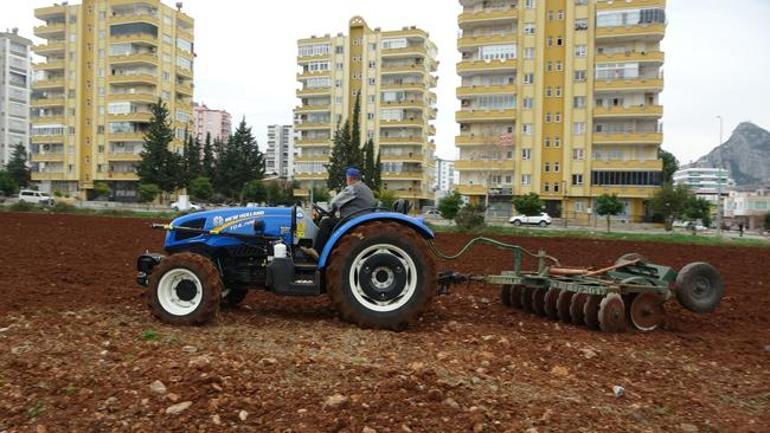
280 154
748 208
560 98
706 182
106 62
444 180
218 123
15 80
393 73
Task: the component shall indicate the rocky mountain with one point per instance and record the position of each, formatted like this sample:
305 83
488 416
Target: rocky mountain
746 155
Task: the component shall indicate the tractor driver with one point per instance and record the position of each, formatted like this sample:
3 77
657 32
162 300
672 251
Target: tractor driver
354 199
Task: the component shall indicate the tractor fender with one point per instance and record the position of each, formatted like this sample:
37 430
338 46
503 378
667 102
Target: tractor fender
415 223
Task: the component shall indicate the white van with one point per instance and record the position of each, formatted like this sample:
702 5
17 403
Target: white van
36 197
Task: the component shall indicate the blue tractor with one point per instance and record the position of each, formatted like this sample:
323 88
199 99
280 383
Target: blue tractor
376 267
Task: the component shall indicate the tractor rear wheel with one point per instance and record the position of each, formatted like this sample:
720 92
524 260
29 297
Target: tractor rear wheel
381 275
185 289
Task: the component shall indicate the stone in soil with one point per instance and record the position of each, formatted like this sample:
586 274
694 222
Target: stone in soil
158 387
178 408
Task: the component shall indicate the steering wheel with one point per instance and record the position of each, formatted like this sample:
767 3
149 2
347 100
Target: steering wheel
321 211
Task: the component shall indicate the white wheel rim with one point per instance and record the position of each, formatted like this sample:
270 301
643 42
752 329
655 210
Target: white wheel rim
408 290
168 296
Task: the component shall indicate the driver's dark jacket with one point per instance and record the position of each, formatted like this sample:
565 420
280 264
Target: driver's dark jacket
354 198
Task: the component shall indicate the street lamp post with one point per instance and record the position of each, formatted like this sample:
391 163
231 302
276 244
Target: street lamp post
720 209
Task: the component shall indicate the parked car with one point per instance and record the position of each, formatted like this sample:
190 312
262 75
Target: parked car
180 206
431 212
541 220
36 197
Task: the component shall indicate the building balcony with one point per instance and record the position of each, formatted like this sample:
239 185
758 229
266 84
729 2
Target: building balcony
399 141
307 75
418 104
653 32
123 157
609 4
484 165
48 175
486 90
48 120
406 33
325 108
48 84
486 115
404 175
48 157
322 91
185 54
313 142
311 158
125 136
631 56
130 59
135 37
307 59
51 65
405 123
415 157
134 18
134 79
631 84
184 34
46 139
184 72
121 175
48 102
130 117
649 165
402 69
414 86
52 47
628 138
479 140
49 12
313 125
471 189
149 98
624 191
472 66
652 111
409 51
185 89
48 30
310 176
477 41
488 16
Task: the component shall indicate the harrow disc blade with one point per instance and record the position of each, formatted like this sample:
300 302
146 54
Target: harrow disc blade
591 311
563 306
647 311
526 298
516 293
577 308
538 301
612 313
505 295
551 297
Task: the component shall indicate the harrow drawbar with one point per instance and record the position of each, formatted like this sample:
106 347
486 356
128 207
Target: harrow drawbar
631 290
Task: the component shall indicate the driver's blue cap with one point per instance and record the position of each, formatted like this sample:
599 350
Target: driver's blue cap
353 172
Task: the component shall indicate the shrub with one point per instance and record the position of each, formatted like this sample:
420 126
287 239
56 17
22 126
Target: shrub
387 198
470 217
60 207
528 205
148 192
449 205
23 206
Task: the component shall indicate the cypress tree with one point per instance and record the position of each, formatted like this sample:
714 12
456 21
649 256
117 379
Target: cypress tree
354 146
240 161
369 167
192 159
17 169
338 159
208 162
378 173
159 166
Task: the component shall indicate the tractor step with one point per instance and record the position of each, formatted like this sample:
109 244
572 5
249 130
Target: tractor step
310 286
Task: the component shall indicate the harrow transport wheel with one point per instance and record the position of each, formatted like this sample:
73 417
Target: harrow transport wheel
231 298
577 307
185 289
551 298
646 312
699 287
629 257
563 306
516 296
505 295
591 311
538 301
381 275
527 294
612 313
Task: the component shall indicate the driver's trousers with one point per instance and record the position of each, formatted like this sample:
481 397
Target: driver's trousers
324 232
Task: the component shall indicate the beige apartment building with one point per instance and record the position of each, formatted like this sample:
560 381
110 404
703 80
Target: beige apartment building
394 74
560 98
105 62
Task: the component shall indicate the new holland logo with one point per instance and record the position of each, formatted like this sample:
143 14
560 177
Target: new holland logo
218 220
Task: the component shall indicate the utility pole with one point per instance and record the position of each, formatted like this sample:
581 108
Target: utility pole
720 210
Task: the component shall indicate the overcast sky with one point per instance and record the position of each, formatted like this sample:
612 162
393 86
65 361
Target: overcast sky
717 59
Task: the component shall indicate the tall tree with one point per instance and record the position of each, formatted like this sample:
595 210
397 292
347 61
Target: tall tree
609 206
378 172
239 162
369 167
17 167
339 158
356 153
208 162
670 165
670 202
528 205
159 166
192 160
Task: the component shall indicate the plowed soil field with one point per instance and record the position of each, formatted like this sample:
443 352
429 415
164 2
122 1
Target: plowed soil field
79 351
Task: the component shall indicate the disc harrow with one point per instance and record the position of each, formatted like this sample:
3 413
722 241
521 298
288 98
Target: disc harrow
631 292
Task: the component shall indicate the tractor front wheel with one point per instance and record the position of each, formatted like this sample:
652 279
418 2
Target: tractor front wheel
381 275
185 289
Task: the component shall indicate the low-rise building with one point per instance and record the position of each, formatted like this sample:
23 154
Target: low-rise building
748 208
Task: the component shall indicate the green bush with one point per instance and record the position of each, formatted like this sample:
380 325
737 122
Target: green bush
200 188
60 207
528 205
767 221
23 206
449 205
148 192
386 197
470 217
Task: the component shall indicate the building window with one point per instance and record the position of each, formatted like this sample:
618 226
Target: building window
580 51
526 129
526 154
559 41
547 167
529 4
579 102
557 142
557 117
340 66
529 29
548 117
578 154
559 66
547 142
578 128
580 75
558 92
548 92
546 187
556 167
577 179
529 78
498 52
549 66
529 103
581 24
549 41
372 65
526 179
560 15
529 53
372 81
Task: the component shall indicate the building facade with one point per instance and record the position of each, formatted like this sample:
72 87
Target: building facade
393 73
748 208
705 182
218 123
560 98
279 157
106 62
15 81
444 179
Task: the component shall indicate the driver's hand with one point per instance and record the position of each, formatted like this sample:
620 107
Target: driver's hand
315 214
